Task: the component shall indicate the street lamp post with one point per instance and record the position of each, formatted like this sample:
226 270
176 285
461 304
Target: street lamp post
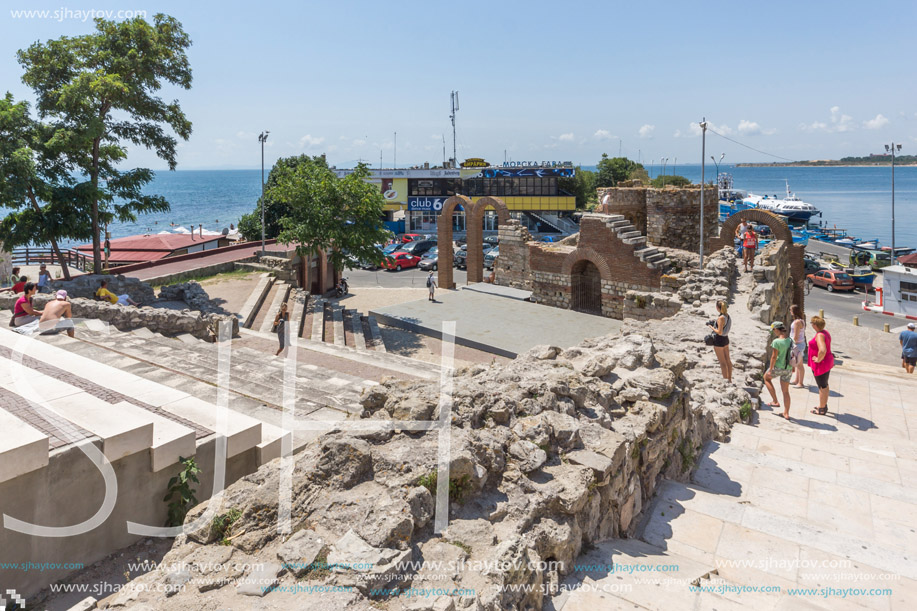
893 148
717 164
664 160
703 164
262 138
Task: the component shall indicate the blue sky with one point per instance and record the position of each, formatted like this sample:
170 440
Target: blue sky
538 80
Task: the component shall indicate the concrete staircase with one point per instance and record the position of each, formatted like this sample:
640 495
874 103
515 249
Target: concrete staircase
311 317
652 257
782 514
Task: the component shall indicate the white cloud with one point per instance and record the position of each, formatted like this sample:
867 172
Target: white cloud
879 121
310 141
568 137
358 142
839 123
647 131
603 134
751 128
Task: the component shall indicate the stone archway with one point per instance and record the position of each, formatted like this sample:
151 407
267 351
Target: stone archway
781 231
474 227
444 239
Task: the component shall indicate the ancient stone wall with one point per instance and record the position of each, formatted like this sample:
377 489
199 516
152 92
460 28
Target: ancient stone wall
512 265
627 201
619 267
6 265
642 305
87 285
773 293
673 217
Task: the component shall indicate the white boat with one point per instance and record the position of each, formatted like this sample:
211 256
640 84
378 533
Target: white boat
793 208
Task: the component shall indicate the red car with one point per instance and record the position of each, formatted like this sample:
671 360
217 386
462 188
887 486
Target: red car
832 280
410 237
400 260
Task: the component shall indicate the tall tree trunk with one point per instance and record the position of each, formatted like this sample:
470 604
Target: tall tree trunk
60 259
94 175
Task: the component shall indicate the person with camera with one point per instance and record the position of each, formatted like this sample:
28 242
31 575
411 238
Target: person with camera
719 338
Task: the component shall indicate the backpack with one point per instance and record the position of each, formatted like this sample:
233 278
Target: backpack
429 281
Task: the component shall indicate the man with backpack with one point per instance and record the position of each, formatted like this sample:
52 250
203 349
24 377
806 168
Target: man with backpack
783 361
431 286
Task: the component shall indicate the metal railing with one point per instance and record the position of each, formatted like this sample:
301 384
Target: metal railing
37 256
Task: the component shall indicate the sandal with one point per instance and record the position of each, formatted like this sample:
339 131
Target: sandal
820 411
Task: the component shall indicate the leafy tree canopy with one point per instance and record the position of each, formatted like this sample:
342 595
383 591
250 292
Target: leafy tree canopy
100 91
581 185
613 170
672 180
340 216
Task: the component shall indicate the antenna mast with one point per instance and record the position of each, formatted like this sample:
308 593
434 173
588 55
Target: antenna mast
444 151
455 107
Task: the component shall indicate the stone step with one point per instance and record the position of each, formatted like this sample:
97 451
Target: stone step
643 253
23 448
664 263
318 320
356 322
337 318
628 573
281 292
633 233
248 371
639 240
378 344
299 303
255 299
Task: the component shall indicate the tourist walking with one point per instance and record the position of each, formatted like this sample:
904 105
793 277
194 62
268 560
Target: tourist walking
749 247
104 293
280 326
740 233
781 367
821 360
431 286
908 341
44 279
720 328
23 312
57 316
798 333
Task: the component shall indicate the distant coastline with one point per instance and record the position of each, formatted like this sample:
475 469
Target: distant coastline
845 162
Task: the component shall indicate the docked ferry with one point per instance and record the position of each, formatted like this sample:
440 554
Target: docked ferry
791 207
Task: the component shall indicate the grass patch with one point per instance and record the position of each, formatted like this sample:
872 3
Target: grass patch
221 526
458 488
203 277
745 411
462 546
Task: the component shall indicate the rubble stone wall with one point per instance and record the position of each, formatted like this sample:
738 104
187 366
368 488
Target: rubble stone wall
773 293
627 201
642 305
87 285
553 451
512 265
673 217
621 270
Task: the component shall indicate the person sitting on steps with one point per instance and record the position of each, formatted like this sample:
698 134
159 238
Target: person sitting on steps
57 316
105 294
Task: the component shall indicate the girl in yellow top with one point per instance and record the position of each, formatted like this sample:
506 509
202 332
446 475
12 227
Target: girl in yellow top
104 293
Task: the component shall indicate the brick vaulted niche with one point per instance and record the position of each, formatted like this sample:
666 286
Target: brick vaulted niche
780 231
474 215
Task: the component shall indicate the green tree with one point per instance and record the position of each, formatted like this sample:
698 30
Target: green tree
581 185
340 216
100 90
37 185
613 170
672 180
274 208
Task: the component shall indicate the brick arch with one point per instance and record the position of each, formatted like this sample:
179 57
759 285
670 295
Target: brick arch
781 231
475 234
444 238
778 226
587 254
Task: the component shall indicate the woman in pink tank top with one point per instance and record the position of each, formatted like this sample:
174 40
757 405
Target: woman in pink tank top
821 360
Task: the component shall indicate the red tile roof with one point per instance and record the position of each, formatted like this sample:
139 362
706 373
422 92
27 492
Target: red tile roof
163 242
908 259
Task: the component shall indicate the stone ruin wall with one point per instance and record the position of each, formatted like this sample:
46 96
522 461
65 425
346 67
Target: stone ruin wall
629 202
773 293
673 217
556 450
550 265
512 265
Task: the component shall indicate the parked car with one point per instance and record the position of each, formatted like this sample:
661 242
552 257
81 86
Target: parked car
430 260
392 248
419 247
462 253
550 238
411 237
832 280
492 240
401 260
812 266
490 257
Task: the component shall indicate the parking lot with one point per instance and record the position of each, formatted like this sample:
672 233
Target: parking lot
406 278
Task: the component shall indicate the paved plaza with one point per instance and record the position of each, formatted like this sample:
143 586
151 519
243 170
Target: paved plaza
497 323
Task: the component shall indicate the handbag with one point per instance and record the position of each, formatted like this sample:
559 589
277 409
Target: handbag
710 339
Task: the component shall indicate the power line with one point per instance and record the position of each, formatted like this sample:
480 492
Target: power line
709 129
